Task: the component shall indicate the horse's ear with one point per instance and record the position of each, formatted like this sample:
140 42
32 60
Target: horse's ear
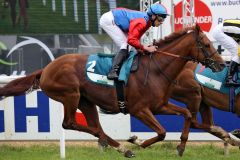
198 28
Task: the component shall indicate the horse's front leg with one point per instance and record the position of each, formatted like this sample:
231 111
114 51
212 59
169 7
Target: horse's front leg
146 116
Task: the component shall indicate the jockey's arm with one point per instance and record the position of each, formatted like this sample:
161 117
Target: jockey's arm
136 29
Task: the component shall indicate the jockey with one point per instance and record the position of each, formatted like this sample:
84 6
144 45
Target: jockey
126 26
228 35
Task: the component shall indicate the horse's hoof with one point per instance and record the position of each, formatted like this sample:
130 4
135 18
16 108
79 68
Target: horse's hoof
180 150
103 143
129 154
132 139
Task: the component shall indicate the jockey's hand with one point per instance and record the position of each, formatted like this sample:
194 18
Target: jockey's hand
140 51
150 49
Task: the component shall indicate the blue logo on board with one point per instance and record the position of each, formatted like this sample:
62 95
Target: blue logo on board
21 112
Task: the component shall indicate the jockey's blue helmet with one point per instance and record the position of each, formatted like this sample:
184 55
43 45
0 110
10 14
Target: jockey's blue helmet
157 9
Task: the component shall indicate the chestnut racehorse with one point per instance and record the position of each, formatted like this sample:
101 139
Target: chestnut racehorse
146 93
199 98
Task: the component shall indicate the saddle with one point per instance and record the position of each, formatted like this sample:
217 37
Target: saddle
216 81
99 65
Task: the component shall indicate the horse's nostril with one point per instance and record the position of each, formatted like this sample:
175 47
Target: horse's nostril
223 65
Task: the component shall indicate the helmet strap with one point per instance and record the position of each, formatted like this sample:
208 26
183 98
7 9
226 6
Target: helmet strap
153 21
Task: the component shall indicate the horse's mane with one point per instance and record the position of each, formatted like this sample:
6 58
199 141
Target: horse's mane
174 36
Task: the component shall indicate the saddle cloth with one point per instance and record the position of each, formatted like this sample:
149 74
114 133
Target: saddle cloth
213 80
98 66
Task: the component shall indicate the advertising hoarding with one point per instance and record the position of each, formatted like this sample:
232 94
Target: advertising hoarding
36 117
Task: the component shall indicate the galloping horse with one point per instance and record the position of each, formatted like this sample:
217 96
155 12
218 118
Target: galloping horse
200 98
65 80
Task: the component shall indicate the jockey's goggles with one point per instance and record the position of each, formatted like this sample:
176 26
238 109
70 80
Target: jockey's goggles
161 18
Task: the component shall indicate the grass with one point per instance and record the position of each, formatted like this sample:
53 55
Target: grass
42 20
159 151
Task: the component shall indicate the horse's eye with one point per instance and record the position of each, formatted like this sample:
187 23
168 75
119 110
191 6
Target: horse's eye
207 45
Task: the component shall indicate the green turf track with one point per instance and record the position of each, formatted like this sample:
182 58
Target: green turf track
166 151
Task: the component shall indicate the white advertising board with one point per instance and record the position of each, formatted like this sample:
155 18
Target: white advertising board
36 117
208 14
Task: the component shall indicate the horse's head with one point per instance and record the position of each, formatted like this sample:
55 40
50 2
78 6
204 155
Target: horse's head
192 44
204 52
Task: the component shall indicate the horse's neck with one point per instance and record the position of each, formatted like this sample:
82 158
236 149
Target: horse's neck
160 71
171 65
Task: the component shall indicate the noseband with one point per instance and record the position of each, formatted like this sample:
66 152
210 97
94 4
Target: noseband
208 61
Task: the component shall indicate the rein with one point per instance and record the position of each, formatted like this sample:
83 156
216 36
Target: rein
178 56
208 57
159 69
164 74
172 55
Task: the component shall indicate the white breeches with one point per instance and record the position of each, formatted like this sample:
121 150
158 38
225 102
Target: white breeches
227 42
117 35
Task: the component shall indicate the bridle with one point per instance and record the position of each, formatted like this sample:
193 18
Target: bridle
208 61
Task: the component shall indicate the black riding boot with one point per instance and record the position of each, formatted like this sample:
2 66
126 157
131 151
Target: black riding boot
117 63
231 71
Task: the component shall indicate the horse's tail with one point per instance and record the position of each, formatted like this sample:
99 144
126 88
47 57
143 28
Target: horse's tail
21 85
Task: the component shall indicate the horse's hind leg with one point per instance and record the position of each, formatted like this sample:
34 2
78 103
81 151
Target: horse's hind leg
90 111
70 103
91 114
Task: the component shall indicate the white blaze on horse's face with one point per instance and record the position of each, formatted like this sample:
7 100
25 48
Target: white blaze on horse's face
189 31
